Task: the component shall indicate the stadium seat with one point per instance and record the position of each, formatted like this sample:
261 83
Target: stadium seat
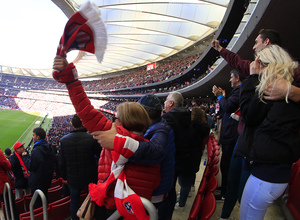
212 184
293 201
202 186
54 194
20 205
38 214
195 207
60 211
56 182
208 207
213 171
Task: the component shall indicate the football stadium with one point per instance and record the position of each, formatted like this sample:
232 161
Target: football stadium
150 109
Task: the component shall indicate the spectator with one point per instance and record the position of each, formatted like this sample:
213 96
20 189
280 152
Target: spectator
131 121
7 153
5 166
77 162
40 164
20 171
229 133
179 119
270 140
264 38
160 149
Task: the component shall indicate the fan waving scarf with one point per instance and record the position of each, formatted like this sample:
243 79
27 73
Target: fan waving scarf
84 31
128 203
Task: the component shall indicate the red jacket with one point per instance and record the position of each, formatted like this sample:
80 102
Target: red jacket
4 167
142 178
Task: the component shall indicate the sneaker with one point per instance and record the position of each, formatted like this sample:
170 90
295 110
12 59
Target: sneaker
178 208
177 198
219 198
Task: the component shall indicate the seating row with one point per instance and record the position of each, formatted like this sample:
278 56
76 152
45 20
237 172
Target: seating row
204 204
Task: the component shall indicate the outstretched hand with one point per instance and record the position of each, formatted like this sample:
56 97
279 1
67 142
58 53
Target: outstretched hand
106 138
216 45
60 63
64 72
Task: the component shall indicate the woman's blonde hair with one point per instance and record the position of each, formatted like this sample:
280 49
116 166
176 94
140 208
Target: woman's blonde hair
133 116
278 64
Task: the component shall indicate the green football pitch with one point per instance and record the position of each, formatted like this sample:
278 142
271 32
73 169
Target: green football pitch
18 125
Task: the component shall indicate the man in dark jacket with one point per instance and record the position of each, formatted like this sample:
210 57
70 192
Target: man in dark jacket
40 164
179 119
229 133
77 162
21 182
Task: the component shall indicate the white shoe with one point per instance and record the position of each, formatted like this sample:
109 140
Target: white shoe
178 208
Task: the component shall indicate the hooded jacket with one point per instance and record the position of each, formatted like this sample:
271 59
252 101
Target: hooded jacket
41 165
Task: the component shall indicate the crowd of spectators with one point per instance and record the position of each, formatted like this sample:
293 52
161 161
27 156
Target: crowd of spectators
137 77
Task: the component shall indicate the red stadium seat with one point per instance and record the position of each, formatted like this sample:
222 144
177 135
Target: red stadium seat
212 184
208 207
55 194
60 211
293 201
56 182
195 208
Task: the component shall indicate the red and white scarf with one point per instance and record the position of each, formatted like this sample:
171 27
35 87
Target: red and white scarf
128 203
26 173
84 31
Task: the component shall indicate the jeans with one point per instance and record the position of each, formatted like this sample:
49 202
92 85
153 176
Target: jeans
237 178
75 200
185 183
258 195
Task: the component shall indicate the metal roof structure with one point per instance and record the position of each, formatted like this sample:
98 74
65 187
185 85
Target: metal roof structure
140 32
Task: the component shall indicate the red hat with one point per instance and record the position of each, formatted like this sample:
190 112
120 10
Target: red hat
18 145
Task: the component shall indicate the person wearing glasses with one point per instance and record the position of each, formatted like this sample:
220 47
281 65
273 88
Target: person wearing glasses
131 121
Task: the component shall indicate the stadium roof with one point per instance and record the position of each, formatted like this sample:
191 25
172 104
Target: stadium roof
141 32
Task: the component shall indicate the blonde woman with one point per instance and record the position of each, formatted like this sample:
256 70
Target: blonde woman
270 141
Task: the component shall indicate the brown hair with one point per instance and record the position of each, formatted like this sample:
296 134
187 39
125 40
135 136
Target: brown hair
133 116
198 115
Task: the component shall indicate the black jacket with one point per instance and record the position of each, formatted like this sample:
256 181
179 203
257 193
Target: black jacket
41 165
77 159
271 134
188 148
21 182
229 125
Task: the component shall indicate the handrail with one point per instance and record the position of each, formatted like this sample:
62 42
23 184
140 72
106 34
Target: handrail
7 186
44 201
148 206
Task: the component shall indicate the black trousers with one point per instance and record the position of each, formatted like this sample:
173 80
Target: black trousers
227 150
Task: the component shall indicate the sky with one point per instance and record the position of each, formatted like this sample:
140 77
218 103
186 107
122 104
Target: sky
30 33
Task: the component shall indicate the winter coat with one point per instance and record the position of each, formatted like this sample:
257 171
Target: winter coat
271 133
142 178
41 165
21 181
77 160
4 167
159 150
229 105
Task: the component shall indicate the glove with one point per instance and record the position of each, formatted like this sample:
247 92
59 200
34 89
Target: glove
68 75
